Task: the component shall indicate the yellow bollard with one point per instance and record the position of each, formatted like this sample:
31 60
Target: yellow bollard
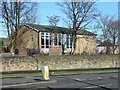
45 73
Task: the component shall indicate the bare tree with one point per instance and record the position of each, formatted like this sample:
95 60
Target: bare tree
14 14
113 33
79 14
53 21
109 30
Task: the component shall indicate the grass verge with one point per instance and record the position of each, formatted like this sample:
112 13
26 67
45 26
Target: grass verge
57 72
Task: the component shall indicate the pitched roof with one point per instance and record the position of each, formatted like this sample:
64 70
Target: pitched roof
46 28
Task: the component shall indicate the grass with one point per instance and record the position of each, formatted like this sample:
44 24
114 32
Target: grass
61 72
21 75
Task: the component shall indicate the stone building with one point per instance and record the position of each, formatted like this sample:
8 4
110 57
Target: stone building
40 38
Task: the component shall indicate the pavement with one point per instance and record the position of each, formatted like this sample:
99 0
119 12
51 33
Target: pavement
91 81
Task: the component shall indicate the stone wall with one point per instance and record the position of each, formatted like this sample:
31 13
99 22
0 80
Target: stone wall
26 38
85 44
59 62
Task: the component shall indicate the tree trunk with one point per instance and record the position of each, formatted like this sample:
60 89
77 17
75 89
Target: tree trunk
74 33
74 43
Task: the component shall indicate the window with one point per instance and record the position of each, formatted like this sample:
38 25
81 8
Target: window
60 39
52 39
69 41
42 40
45 40
56 39
48 39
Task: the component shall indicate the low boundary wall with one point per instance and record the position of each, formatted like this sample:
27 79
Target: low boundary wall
62 62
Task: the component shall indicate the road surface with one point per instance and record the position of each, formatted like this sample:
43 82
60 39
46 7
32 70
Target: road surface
93 81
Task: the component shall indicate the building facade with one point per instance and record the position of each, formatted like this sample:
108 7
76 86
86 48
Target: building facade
39 38
107 48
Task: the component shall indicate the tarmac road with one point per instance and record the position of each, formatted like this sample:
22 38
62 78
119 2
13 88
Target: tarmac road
93 81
